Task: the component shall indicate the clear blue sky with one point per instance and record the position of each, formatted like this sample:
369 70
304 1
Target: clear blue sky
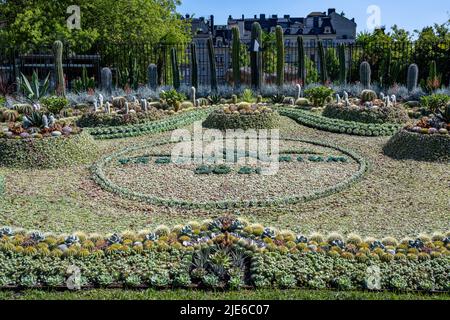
409 15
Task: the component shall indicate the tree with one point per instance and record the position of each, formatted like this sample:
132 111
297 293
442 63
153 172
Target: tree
31 24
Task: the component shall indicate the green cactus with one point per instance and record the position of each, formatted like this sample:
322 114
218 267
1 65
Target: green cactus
322 64
106 80
152 72
365 74
256 57
194 66
60 85
236 57
413 77
280 55
212 65
387 74
301 60
175 69
342 65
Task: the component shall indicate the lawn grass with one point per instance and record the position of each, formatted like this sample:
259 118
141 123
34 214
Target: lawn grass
267 294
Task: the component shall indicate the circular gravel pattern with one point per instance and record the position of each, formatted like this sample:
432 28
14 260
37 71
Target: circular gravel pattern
177 184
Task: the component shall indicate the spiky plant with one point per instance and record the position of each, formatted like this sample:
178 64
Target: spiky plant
34 90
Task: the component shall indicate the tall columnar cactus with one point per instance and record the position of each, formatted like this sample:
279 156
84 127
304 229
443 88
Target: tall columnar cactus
106 80
280 55
301 60
387 78
365 74
342 65
175 69
413 77
60 85
322 64
152 73
236 57
194 66
212 65
433 71
256 57
194 96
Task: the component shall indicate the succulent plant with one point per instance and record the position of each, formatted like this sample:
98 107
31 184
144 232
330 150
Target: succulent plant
301 239
151 237
71 240
6 231
114 239
268 233
37 236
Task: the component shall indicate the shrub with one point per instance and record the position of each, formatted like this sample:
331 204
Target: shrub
319 95
173 98
435 102
54 104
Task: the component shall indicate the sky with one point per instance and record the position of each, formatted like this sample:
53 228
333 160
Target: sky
409 15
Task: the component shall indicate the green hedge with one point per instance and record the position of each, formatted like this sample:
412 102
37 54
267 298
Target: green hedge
165 124
418 146
223 253
54 152
316 121
101 178
224 121
377 115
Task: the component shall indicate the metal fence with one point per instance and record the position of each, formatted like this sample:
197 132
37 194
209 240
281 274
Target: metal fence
129 62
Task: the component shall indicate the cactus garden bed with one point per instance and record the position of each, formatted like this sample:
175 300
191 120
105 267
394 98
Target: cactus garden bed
48 152
225 253
419 146
320 122
243 116
308 170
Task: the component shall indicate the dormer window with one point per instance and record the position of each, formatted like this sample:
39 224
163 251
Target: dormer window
327 30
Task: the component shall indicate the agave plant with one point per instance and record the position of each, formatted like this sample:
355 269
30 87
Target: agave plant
277 98
35 90
38 120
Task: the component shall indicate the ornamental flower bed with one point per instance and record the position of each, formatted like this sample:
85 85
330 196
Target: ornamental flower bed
224 253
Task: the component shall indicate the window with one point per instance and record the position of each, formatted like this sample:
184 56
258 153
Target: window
327 30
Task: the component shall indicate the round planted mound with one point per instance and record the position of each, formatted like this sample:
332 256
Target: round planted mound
48 152
419 146
364 114
243 116
308 170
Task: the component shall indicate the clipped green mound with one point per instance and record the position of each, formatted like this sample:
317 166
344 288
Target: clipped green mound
320 122
418 146
54 152
99 119
378 115
223 121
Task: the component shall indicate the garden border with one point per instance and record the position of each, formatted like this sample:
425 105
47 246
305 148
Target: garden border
151 127
99 177
320 122
163 258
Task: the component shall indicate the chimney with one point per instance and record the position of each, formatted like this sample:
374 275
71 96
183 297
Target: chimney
256 17
262 16
211 25
332 10
287 16
243 17
274 16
